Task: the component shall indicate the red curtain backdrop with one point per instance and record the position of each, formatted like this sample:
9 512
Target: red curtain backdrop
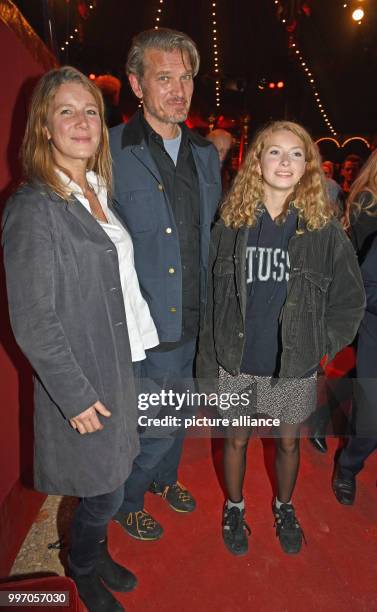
23 59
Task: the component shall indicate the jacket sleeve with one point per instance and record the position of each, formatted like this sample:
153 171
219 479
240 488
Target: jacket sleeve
29 267
346 296
369 274
371 294
206 362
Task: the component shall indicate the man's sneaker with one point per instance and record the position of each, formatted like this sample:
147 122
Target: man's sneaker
288 529
139 525
178 498
235 530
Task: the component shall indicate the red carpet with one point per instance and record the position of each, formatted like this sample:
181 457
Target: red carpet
190 570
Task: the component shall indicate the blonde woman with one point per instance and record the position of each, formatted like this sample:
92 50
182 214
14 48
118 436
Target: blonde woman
286 290
361 209
79 317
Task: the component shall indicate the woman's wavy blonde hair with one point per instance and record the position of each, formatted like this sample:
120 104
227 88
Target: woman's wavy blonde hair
309 196
36 155
366 181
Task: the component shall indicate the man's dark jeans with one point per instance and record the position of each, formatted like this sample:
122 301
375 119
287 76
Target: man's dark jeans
159 456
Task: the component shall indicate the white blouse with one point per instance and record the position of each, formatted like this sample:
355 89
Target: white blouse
141 328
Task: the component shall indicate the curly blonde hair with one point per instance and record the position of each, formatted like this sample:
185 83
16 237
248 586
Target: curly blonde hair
365 182
309 196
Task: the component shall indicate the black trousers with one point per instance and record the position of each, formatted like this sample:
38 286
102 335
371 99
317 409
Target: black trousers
352 457
89 528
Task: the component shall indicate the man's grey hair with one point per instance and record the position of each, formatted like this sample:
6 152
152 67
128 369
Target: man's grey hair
162 39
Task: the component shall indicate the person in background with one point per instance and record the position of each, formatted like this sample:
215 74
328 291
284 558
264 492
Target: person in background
361 222
361 210
167 186
349 171
334 190
110 88
79 317
270 322
222 140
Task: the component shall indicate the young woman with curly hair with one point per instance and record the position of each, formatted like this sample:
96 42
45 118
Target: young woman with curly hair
285 290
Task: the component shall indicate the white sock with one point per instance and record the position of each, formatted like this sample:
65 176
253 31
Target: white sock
278 503
240 505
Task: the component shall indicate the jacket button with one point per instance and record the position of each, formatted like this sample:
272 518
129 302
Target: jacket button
119 323
173 309
109 250
171 270
160 187
240 334
114 289
168 230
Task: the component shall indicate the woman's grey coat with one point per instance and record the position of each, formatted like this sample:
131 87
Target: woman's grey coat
67 313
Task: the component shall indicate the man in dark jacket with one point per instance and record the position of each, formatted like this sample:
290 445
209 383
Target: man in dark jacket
167 188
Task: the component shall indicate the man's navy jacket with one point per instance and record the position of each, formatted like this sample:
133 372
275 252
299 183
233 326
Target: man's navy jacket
142 203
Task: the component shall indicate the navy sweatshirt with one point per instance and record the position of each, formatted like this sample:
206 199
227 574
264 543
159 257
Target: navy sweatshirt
267 275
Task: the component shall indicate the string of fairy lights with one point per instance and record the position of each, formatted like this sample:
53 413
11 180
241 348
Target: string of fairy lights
215 52
84 11
158 16
308 72
309 75
68 40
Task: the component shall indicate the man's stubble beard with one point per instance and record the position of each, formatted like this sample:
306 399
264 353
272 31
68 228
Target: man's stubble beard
166 117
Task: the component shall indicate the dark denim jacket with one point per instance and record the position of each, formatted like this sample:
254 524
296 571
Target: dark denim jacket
324 305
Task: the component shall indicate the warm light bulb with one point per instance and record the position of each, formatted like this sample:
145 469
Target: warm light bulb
358 14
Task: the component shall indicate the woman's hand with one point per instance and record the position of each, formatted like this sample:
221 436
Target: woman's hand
88 421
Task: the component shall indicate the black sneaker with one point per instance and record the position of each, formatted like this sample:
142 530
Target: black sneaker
178 498
235 530
288 529
139 525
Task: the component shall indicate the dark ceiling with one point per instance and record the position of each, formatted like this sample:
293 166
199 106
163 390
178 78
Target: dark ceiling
253 44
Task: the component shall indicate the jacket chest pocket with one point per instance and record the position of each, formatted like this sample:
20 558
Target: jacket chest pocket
316 289
223 277
318 280
304 310
315 286
137 209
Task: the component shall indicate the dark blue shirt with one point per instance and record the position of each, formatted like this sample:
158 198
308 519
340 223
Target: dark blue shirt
267 275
